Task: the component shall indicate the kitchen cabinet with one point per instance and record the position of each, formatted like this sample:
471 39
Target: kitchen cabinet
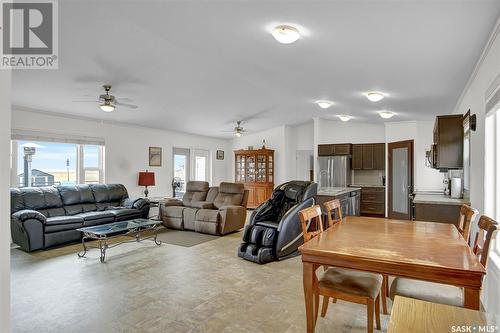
437 213
447 151
370 156
255 169
334 149
373 201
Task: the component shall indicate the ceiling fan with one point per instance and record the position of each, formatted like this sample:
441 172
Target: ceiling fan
238 130
108 102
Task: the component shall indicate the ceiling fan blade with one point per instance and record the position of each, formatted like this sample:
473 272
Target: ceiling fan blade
85 101
127 105
124 99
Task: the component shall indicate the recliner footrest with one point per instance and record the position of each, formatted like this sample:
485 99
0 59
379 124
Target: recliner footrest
259 255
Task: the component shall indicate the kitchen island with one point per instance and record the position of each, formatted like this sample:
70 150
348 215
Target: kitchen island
349 198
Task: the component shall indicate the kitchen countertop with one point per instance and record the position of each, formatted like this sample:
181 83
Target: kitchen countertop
366 185
333 191
439 199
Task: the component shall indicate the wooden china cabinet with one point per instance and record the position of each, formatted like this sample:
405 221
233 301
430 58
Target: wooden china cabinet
255 169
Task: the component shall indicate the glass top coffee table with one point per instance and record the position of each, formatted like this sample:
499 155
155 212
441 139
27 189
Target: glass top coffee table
105 232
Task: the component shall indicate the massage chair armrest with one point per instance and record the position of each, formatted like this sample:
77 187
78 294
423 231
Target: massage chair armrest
137 203
201 204
232 218
28 214
172 202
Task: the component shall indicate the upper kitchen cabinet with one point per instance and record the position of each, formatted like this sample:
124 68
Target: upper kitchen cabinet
334 149
369 156
447 151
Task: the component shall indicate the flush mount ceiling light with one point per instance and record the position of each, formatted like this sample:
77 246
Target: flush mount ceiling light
375 96
386 114
107 106
285 34
344 117
324 104
237 134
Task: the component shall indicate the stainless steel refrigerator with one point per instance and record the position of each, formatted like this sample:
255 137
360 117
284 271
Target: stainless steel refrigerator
334 171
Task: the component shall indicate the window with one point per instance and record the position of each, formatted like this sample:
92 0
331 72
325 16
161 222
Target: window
189 164
201 164
46 163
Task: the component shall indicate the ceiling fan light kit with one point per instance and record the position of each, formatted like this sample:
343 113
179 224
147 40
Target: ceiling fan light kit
285 34
107 107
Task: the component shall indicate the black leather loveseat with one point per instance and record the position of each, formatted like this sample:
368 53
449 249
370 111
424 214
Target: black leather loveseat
42 217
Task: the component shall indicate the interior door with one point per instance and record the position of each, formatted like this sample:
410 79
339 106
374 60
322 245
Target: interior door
400 179
201 165
181 167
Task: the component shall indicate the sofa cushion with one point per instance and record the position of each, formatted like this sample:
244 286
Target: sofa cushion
232 188
86 195
208 215
212 194
52 197
89 207
62 227
73 209
16 200
100 191
123 212
89 216
117 192
63 220
173 211
230 194
51 212
189 216
33 198
195 191
70 194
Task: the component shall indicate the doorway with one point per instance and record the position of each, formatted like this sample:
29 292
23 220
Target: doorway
180 171
400 162
304 165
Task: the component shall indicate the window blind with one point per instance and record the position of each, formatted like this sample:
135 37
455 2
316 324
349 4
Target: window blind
30 135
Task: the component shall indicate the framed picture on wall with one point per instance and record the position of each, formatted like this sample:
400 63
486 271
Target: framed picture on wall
155 156
220 154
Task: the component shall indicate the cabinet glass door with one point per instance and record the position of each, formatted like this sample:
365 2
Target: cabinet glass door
261 168
250 169
240 168
270 167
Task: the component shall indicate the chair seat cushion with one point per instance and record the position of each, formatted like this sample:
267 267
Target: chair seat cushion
56 220
427 291
352 282
173 211
90 216
269 224
208 215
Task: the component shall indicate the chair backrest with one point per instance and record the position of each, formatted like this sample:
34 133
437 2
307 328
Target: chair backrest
230 194
195 191
331 207
484 236
465 221
312 215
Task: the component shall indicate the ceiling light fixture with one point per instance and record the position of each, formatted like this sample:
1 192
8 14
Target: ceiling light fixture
107 107
344 117
386 114
285 34
375 96
237 134
324 104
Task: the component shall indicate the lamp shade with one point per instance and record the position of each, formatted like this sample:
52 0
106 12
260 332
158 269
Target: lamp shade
146 178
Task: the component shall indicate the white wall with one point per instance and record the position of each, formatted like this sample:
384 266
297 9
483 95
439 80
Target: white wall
336 131
127 148
473 98
5 84
275 139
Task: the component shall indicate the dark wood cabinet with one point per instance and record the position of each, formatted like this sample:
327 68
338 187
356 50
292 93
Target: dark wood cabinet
334 149
448 142
370 156
373 201
255 169
357 157
437 213
379 156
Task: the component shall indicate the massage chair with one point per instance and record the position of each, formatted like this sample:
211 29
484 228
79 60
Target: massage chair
274 231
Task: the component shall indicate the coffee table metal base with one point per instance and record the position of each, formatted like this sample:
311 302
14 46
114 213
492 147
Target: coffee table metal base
103 240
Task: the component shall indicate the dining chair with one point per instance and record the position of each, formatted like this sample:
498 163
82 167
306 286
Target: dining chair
465 220
340 283
442 293
330 208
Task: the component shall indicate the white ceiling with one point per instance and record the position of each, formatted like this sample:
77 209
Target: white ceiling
198 66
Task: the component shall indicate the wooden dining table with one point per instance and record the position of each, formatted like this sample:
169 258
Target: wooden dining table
427 251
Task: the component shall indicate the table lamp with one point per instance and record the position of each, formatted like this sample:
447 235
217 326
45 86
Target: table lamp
146 179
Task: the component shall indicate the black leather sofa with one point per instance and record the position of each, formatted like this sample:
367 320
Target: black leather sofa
42 217
274 231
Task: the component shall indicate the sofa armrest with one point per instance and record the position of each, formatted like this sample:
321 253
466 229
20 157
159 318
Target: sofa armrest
27 214
232 218
202 204
137 203
172 202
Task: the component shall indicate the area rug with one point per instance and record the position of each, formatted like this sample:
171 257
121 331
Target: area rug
184 238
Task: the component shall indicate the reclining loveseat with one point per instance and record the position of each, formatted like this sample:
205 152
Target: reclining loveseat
211 210
42 217
274 231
